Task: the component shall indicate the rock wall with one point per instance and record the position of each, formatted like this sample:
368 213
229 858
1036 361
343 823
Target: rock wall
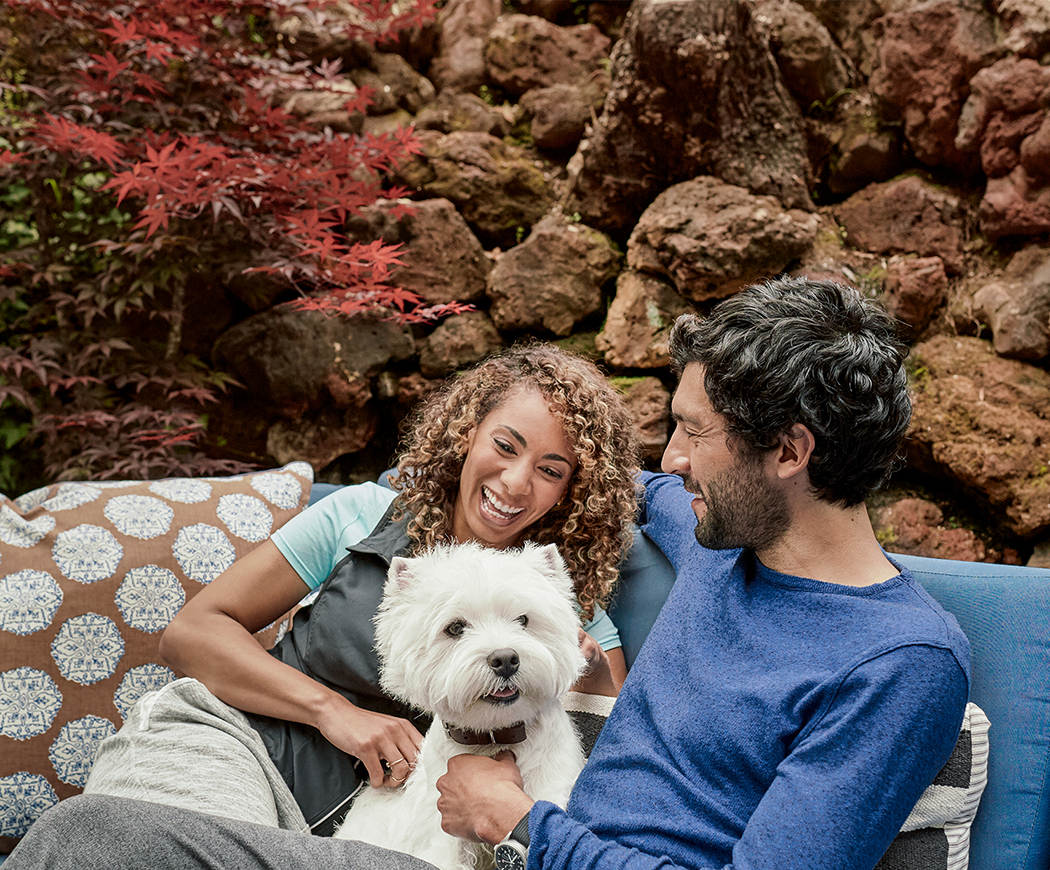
591 170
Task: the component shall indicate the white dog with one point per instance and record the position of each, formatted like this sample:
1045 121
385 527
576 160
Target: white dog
486 641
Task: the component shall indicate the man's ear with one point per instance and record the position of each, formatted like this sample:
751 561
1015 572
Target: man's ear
792 454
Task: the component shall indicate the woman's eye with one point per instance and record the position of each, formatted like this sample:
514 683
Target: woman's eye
524 620
455 629
503 445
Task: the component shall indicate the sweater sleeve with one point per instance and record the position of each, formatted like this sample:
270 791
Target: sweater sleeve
840 794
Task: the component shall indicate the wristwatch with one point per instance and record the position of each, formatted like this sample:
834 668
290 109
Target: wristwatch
512 852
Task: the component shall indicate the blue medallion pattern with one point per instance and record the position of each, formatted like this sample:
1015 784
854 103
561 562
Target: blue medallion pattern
149 597
245 516
73 752
282 490
203 552
24 797
71 496
30 500
87 553
139 516
17 531
182 490
87 648
29 702
28 601
137 682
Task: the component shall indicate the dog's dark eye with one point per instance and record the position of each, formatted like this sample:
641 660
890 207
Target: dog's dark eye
524 620
455 629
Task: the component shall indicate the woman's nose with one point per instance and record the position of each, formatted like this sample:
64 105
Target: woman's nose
516 477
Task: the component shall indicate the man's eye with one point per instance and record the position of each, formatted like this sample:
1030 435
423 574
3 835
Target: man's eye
455 629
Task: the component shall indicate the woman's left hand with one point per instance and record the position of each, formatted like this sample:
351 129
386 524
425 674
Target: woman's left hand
605 671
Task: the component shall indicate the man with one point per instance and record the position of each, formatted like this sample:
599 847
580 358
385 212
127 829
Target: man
796 694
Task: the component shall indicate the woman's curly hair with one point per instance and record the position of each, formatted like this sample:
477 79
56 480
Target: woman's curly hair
591 525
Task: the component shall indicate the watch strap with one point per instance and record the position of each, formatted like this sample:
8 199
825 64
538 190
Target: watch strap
520 831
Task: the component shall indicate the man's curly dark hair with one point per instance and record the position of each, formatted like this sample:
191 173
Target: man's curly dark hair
592 525
815 352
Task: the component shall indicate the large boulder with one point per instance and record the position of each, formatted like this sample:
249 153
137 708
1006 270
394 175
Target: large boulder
695 91
443 261
497 187
983 423
916 527
525 52
458 341
712 239
928 52
452 111
295 360
395 85
463 29
813 66
559 114
906 216
639 322
553 279
1006 120
915 289
1017 306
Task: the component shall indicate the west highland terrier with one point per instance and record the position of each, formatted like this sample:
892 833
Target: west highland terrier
486 641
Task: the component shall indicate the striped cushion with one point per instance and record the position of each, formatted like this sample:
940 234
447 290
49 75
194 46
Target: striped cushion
936 835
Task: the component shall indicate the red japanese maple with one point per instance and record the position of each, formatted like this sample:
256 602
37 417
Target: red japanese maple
140 144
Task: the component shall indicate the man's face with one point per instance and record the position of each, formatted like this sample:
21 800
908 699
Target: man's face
737 503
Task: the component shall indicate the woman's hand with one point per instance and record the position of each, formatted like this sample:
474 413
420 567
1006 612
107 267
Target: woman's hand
605 671
375 739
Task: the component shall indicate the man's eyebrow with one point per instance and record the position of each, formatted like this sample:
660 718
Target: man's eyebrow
521 439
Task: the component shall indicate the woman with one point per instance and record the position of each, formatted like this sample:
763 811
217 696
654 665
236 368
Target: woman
532 444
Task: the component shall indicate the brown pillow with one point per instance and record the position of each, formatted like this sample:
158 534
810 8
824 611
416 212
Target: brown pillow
89 575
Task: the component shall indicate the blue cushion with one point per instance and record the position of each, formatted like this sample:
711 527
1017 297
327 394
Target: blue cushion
1005 612
646 577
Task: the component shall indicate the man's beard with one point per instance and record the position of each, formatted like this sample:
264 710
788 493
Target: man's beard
743 510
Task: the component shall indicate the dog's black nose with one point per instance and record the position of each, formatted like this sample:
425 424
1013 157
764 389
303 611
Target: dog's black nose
504 662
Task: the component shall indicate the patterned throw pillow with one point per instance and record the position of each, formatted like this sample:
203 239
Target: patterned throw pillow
89 575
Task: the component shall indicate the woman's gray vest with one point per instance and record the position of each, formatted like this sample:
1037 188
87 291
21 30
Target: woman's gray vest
332 641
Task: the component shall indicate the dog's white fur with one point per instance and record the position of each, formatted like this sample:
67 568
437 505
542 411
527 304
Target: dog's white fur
519 600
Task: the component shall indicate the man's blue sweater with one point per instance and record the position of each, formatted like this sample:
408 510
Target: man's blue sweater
769 721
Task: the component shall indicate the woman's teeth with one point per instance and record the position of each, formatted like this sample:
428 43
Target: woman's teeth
504 509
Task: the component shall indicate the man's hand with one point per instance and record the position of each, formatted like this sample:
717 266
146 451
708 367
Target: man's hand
482 799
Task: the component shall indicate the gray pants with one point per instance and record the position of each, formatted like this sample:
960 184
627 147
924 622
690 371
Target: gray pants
183 747
97 832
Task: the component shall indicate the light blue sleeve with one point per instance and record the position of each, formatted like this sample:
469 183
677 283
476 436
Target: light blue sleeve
315 541
602 629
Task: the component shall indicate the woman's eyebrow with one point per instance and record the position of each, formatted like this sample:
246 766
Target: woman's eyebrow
521 439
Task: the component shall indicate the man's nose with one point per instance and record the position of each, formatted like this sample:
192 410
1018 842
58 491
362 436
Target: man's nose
675 459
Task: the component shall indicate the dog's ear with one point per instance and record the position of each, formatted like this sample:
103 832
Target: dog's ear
549 562
400 575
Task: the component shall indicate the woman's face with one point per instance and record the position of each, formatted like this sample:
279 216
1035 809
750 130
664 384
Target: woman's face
518 465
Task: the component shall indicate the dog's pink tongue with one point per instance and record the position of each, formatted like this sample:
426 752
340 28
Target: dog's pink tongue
504 693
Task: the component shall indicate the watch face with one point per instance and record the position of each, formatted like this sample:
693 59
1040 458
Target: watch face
509 858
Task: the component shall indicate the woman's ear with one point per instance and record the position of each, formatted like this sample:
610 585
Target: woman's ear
793 453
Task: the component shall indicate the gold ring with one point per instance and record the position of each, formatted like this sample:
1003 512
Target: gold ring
395 761
398 781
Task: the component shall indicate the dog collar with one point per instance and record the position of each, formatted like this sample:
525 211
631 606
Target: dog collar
511 734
